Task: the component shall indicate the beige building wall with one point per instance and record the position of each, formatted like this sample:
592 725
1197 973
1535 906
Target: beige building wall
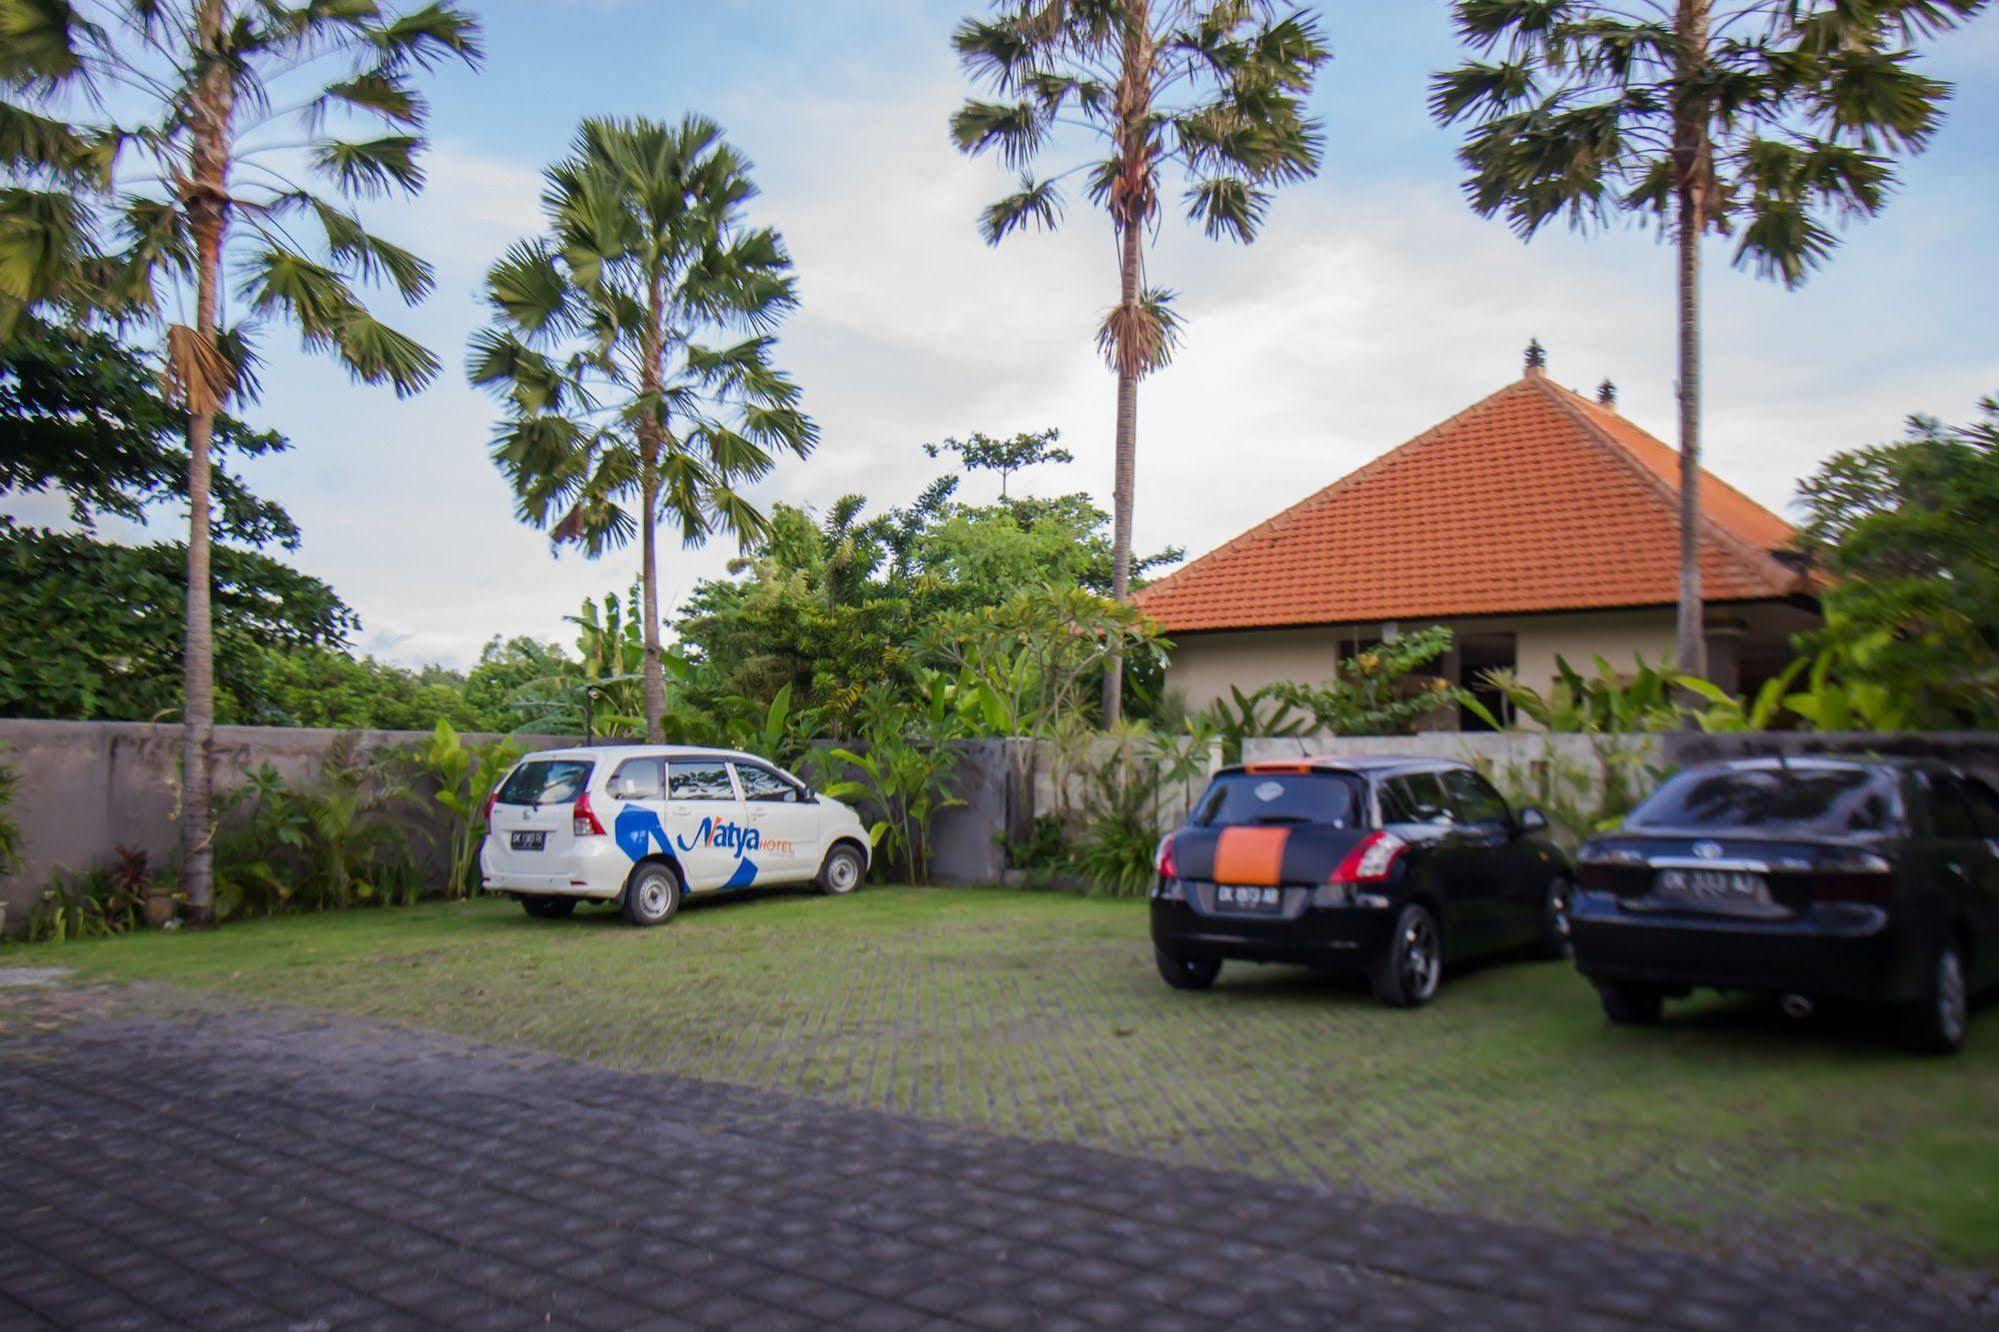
1204 666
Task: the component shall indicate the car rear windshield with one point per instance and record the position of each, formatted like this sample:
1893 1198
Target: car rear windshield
1291 797
1801 799
545 782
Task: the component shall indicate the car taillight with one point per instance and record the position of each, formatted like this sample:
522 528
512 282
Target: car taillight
1372 860
1168 867
583 819
1852 876
491 801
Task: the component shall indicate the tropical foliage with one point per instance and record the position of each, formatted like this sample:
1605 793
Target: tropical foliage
10 831
233 106
1379 690
1906 530
1766 122
84 417
622 408
835 605
94 630
1210 93
461 777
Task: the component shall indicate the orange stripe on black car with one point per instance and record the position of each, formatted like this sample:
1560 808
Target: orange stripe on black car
1251 856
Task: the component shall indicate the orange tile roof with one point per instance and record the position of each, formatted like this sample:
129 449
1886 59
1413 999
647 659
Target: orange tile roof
1535 499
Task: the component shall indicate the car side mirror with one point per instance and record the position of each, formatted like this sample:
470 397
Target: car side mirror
1533 821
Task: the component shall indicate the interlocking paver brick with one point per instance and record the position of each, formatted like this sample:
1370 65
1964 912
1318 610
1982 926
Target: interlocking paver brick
259 1171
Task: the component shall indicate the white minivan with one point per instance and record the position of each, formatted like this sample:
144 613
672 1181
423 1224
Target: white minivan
648 824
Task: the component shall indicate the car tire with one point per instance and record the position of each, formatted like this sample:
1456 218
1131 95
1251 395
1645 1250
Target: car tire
1631 1005
549 908
652 895
1936 1023
1407 973
1186 973
1556 941
842 871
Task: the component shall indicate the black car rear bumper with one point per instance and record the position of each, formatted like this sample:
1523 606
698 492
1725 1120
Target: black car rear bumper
1330 937
1834 951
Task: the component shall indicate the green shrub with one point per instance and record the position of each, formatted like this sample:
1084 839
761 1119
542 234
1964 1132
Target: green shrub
10 831
95 903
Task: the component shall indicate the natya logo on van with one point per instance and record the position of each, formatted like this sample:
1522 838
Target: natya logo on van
727 836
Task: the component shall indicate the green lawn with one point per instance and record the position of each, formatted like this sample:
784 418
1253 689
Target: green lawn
1040 1015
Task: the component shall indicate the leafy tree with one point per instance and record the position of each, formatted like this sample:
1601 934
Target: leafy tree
832 607
1041 651
229 99
1757 119
987 453
94 629
515 684
611 402
325 687
83 414
1906 530
1213 90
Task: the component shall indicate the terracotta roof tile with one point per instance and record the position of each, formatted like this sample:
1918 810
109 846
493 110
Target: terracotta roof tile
1533 500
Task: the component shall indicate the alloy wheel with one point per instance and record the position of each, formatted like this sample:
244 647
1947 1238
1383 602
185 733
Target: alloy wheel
1420 963
844 873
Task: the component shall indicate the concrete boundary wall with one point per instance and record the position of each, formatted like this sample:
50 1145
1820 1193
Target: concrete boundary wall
84 789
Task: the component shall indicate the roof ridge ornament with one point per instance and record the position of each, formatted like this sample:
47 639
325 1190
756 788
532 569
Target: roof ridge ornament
1606 394
1537 359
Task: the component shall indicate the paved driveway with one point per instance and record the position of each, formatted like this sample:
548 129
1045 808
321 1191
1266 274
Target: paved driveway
244 1169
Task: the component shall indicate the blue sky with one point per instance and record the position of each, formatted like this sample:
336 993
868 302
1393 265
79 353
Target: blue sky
1374 305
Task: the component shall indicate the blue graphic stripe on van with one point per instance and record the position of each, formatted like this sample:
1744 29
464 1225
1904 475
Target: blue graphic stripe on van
745 875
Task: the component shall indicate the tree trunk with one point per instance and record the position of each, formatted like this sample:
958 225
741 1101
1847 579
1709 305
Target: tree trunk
1692 166
651 429
654 671
1130 237
207 205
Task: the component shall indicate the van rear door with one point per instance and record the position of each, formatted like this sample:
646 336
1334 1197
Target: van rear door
531 825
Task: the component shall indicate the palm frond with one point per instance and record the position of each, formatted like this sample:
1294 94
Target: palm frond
1141 337
372 166
1035 203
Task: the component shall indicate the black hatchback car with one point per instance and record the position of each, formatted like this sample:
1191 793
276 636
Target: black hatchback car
1812 878
1388 866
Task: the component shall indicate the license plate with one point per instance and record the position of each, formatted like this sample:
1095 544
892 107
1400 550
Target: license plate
1717 887
527 841
1238 897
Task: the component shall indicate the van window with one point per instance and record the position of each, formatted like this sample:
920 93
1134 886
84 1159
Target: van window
545 782
765 785
699 779
638 779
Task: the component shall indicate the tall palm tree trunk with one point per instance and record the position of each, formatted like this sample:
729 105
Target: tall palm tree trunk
208 212
1690 151
650 428
1692 631
653 671
1130 238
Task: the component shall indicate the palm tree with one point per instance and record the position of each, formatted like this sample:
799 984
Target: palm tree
609 398
1212 89
1752 118
234 106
